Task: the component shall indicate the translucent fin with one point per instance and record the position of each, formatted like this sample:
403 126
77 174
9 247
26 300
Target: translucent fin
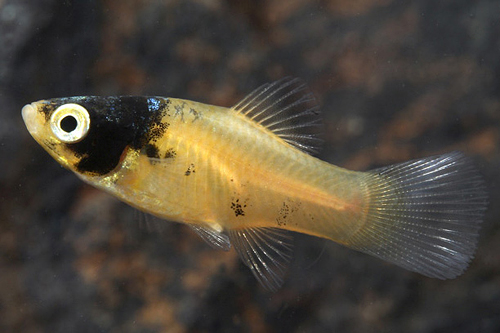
149 222
267 251
424 215
287 109
214 238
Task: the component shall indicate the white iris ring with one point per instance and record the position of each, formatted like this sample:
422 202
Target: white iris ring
79 113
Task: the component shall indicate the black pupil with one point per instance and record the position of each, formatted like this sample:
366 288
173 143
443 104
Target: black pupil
68 124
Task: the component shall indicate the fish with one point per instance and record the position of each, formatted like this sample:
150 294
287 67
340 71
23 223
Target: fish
246 177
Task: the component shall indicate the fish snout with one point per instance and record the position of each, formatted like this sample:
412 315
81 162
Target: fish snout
29 114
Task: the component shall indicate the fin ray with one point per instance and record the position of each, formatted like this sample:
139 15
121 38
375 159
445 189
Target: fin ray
424 215
287 109
214 238
266 251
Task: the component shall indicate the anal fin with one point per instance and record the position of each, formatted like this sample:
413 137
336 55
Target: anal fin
266 251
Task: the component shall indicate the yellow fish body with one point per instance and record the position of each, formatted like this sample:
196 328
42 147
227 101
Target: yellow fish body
243 176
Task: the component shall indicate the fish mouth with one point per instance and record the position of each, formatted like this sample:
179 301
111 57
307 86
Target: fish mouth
30 119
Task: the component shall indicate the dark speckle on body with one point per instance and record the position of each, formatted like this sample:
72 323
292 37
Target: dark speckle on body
287 209
237 207
171 153
283 214
190 170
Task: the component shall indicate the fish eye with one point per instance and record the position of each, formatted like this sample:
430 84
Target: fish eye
70 123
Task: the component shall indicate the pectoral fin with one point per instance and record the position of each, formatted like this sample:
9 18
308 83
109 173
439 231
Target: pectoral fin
214 238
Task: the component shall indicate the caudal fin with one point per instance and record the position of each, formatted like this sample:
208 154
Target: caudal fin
424 215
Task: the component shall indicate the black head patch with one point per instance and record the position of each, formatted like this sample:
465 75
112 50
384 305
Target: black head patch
115 124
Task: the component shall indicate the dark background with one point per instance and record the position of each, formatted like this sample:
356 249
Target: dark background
395 79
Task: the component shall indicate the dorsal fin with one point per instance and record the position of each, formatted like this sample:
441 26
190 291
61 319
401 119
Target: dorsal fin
287 109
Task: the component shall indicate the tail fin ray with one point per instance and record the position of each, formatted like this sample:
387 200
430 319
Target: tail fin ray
424 215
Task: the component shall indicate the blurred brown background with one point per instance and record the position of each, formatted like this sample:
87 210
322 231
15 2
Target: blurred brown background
395 80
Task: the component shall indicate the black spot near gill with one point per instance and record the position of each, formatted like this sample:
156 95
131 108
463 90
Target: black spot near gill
152 151
99 154
157 131
115 124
